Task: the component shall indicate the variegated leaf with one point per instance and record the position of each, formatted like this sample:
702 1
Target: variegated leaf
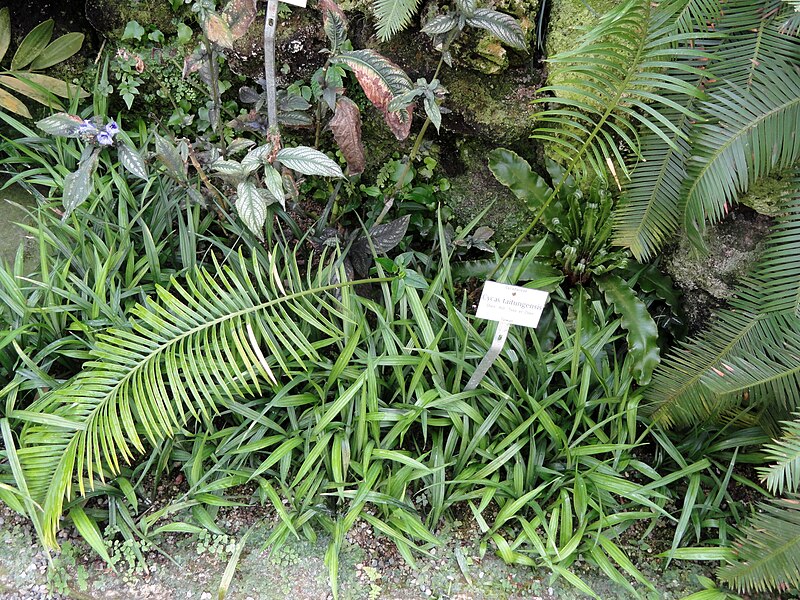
251 206
132 161
504 27
308 161
78 184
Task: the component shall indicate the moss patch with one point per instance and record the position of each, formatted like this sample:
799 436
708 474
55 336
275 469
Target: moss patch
768 195
109 17
569 18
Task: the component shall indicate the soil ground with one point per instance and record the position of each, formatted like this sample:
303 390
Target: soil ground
369 569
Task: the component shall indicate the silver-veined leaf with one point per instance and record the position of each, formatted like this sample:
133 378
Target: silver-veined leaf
132 161
309 161
251 206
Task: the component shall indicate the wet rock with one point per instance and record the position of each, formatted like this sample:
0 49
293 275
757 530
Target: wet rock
707 282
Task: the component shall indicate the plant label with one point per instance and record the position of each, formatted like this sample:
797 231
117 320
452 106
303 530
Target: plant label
511 303
300 3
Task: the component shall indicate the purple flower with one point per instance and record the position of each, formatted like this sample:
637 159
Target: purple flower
104 138
87 127
112 128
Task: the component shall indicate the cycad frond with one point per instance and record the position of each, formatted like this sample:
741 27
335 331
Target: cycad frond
614 83
764 316
222 335
753 132
649 213
775 285
393 16
752 36
768 550
784 453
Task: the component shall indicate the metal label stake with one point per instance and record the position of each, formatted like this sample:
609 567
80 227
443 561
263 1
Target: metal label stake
497 347
508 305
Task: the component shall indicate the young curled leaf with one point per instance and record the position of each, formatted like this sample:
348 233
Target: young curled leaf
346 128
334 22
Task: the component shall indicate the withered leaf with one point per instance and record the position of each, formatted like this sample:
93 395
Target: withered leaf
218 31
346 128
239 15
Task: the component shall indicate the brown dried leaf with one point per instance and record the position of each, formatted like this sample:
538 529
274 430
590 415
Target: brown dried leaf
346 128
218 31
239 15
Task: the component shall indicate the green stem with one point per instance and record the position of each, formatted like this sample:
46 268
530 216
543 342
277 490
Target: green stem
213 69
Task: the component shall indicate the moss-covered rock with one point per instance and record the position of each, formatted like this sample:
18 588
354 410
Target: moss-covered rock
734 246
474 187
768 195
569 18
109 17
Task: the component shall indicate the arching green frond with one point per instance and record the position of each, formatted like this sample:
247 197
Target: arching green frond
613 85
649 214
753 131
754 338
695 16
772 374
752 36
768 550
229 334
393 16
784 453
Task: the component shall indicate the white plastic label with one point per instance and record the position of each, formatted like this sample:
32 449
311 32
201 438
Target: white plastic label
511 303
301 3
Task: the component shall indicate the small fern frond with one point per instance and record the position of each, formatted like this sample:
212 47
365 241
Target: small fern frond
768 550
394 16
784 453
613 84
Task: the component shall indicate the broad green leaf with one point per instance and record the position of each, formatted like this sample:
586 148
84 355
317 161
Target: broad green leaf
90 532
309 161
58 51
5 31
33 44
642 336
133 31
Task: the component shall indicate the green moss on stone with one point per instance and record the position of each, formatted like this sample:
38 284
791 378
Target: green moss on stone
475 188
768 195
569 18
109 17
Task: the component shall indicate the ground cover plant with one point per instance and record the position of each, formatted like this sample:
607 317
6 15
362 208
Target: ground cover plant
188 311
